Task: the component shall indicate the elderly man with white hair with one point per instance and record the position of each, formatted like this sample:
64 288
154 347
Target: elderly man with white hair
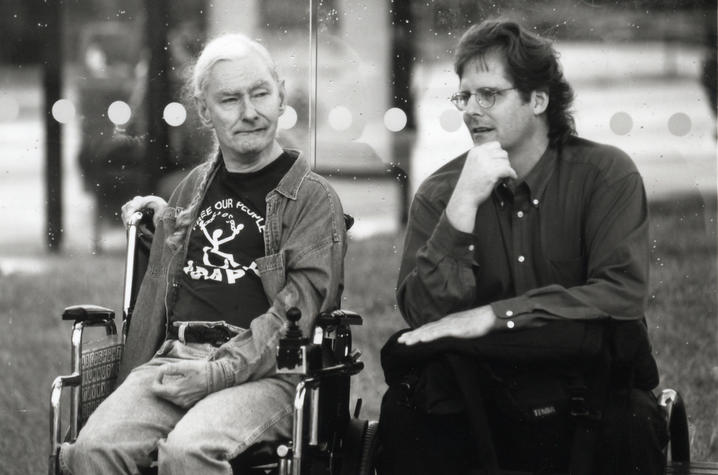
245 236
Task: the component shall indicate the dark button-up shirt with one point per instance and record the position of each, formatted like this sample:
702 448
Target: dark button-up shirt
570 241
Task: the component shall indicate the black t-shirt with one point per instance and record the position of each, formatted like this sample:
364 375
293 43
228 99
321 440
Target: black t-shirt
219 279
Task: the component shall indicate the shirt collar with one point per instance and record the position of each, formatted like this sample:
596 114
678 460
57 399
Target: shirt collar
536 180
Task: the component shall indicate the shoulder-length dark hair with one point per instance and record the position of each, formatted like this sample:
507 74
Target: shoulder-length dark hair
531 62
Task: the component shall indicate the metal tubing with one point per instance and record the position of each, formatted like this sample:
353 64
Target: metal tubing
312 109
314 416
76 363
132 224
297 437
55 424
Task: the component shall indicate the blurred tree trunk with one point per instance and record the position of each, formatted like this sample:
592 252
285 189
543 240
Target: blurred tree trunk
403 43
51 27
158 90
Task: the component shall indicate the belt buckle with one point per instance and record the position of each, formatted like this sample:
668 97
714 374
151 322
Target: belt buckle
181 332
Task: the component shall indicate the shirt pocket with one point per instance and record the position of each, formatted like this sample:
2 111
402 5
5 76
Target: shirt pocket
272 272
568 272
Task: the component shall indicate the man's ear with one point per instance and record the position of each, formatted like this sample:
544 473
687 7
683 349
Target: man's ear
282 96
203 112
539 102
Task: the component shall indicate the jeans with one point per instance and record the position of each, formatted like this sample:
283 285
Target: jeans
132 425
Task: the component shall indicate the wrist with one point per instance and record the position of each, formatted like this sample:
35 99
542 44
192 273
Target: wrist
461 214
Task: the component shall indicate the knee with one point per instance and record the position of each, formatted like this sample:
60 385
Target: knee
181 446
89 455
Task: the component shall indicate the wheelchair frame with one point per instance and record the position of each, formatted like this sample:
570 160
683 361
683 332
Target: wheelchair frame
325 439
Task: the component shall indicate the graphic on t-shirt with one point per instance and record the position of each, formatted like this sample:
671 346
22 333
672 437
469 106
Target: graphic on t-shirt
220 227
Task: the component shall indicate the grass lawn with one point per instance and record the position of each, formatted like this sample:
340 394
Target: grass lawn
683 321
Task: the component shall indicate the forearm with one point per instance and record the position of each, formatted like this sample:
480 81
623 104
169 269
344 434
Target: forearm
437 274
312 285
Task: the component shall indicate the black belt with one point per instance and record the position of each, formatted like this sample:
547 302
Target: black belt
191 332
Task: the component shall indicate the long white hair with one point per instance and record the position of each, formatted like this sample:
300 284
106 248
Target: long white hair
222 48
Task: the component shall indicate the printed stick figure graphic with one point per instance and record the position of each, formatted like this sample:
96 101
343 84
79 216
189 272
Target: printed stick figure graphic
215 240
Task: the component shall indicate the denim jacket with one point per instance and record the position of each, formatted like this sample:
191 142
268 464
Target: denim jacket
303 266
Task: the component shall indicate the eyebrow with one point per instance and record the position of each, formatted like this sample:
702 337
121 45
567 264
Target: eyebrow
233 92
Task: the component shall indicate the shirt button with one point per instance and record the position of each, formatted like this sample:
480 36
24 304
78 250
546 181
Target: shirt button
509 313
535 202
510 324
521 258
520 214
471 247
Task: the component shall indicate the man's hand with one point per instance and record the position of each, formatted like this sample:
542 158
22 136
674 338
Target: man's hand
182 383
467 324
485 166
139 203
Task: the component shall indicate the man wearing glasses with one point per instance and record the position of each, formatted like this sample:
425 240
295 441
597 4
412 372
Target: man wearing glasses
532 224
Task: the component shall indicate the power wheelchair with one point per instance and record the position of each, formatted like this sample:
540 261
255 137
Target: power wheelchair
326 438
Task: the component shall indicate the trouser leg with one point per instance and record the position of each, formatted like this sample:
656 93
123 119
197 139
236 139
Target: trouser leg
412 442
224 424
123 431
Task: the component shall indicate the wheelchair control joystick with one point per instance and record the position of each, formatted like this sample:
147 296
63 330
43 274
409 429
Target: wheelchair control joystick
293 330
293 350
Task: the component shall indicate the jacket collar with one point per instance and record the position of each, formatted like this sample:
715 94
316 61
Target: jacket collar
289 185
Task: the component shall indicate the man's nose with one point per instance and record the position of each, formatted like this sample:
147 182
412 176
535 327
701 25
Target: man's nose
473 107
247 109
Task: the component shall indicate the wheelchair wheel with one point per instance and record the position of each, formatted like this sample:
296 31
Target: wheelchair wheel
359 447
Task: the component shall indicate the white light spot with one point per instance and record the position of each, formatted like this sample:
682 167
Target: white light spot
340 118
679 124
63 111
119 113
174 114
395 119
621 123
288 119
9 109
450 120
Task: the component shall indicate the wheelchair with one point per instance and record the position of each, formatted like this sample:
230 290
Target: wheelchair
326 438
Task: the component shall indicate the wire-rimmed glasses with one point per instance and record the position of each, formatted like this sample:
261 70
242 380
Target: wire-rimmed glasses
485 97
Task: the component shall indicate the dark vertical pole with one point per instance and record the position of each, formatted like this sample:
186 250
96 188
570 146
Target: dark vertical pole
402 60
158 89
51 27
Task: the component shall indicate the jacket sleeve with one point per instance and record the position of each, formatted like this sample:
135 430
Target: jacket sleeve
312 256
437 268
616 262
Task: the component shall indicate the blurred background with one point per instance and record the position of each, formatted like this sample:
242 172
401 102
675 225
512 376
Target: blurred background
93 112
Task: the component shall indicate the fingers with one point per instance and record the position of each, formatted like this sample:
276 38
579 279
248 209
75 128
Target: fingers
139 203
426 333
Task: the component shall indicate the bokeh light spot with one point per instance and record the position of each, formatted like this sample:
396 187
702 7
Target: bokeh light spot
340 118
288 119
174 114
63 111
119 113
621 123
9 108
450 120
395 119
679 124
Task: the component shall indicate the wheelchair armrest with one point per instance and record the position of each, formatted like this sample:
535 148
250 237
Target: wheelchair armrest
88 313
339 317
